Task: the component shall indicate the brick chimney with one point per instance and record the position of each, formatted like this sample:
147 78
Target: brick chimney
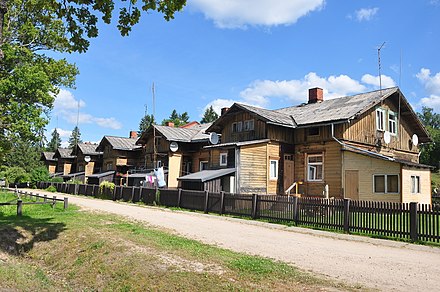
223 110
316 95
133 134
169 124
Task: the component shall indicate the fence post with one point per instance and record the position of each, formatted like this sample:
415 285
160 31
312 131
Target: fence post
347 215
295 209
132 193
66 203
114 193
75 189
179 197
93 191
413 221
206 201
254 206
19 207
45 198
222 202
54 201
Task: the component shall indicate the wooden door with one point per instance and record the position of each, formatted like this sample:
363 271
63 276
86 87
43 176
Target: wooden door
288 168
352 184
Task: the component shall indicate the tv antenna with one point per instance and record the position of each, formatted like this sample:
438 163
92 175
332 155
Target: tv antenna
378 61
154 128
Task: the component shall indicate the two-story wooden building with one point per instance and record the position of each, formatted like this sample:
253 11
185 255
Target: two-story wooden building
363 147
88 159
178 150
65 160
49 161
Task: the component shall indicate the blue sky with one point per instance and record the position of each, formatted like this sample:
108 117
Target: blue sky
260 52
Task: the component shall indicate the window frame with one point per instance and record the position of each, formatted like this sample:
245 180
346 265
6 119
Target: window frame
415 179
394 121
386 184
317 129
248 125
223 154
202 162
276 170
380 124
314 164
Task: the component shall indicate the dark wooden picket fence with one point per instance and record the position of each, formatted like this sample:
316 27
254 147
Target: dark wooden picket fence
398 220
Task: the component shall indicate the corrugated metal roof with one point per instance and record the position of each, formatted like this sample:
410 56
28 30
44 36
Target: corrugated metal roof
337 109
206 175
122 143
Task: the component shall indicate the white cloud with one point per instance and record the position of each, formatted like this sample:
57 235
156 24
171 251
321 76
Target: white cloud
66 106
63 133
432 87
366 14
375 81
240 13
218 104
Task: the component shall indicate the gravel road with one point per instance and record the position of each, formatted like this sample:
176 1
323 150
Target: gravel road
373 263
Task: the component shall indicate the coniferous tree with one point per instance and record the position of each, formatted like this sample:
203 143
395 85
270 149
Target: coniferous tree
430 153
75 137
209 116
177 119
55 142
146 122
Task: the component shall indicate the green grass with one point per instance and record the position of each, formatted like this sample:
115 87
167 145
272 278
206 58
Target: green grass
54 249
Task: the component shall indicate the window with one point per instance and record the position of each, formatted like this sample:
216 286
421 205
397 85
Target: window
392 122
223 159
159 164
273 169
248 125
315 167
81 168
380 117
415 184
313 131
109 166
237 127
386 183
203 165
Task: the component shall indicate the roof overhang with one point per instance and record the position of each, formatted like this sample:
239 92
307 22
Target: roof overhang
207 175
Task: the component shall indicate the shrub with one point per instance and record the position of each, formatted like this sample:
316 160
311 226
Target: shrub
57 179
74 181
14 175
39 174
51 189
106 189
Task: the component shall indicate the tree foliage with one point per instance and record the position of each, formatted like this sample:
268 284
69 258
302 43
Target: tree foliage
24 154
431 152
209 116
177 119
146 122
75 137
55 141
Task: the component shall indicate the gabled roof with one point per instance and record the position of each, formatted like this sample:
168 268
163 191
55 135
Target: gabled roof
48 156
338 110
119 143
188 135
89 149
65 153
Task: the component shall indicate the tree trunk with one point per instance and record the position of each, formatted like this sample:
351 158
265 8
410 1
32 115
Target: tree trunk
3 10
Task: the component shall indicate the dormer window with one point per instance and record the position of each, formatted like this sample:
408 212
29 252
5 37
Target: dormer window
380 119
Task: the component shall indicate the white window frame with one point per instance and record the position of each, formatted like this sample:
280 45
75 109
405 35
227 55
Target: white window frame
392 123
202 162
248 125
313 165
386 184
225 155
273 172
415 184
380 119
109 166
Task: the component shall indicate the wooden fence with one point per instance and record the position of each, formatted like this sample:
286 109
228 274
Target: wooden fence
410 221
44 200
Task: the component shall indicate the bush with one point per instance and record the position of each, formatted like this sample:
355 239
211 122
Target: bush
39 174
51 189
74 181
14 175
106 189
57 179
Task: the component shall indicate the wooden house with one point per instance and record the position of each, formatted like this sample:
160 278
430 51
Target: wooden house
178 150
65 160
363 147
120 154
49 161
87 158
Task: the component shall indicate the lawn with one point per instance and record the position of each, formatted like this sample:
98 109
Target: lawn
54 249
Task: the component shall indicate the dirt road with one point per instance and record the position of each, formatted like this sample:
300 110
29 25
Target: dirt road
373 263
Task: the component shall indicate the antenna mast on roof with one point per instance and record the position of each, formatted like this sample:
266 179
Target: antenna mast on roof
154 128
378 61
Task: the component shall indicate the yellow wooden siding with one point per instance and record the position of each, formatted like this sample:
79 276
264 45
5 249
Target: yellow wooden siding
273 153
253 169
332 168
424 197
52 168
174 167
67 168
367 167
197 157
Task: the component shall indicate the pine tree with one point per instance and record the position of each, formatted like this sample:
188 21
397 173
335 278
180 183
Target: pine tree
177 119
75 137
55 142
209 116
146 122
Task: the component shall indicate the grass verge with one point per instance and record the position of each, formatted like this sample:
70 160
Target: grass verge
54 249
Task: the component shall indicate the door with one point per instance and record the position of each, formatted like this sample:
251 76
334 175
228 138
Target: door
288 172
352 184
